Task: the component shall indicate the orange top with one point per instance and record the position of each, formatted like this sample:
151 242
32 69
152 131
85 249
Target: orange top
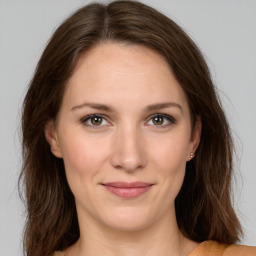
212 248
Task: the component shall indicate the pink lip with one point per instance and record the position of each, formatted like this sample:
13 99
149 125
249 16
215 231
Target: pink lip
126 189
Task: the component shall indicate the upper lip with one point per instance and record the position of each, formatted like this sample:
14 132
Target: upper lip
123 184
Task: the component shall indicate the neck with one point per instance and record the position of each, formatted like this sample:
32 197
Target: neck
161 238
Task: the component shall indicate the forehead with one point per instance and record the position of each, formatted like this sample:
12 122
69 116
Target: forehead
132 74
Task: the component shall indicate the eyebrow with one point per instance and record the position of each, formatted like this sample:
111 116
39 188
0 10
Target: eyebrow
159 106
107 108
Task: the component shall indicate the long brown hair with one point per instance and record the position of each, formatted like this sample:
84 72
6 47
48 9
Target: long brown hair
203 206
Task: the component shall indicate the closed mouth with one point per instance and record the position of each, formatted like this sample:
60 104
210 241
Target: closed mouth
127 189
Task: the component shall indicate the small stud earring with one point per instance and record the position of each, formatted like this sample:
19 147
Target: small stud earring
192 155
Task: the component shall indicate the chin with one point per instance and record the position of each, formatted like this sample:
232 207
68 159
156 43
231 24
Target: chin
127 219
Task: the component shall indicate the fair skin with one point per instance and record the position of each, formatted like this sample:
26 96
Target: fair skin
141 132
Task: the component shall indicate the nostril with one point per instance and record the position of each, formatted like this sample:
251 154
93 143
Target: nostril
128 163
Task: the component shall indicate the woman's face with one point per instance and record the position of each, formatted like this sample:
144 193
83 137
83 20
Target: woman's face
124 133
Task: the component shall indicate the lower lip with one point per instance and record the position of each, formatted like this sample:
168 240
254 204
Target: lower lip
132 192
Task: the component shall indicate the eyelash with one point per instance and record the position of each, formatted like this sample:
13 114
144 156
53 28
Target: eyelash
170 120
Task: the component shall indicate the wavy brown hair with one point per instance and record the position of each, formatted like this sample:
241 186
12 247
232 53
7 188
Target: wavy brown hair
203 206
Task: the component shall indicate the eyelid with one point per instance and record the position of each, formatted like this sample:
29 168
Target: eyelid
171 119
86 118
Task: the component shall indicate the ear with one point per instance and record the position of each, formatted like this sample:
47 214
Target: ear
52 138
195 137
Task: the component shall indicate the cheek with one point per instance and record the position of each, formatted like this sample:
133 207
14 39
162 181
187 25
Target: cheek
169 157
83 155
171 162
171 151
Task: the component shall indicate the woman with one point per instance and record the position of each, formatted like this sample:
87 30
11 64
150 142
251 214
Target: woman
126 148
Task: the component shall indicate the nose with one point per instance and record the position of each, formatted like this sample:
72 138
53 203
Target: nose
128 152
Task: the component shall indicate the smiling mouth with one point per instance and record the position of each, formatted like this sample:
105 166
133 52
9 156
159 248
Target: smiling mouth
126 189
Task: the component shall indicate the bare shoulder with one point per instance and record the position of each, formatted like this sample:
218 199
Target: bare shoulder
235 249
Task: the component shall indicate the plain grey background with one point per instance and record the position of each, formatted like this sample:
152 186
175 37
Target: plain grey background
225 31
